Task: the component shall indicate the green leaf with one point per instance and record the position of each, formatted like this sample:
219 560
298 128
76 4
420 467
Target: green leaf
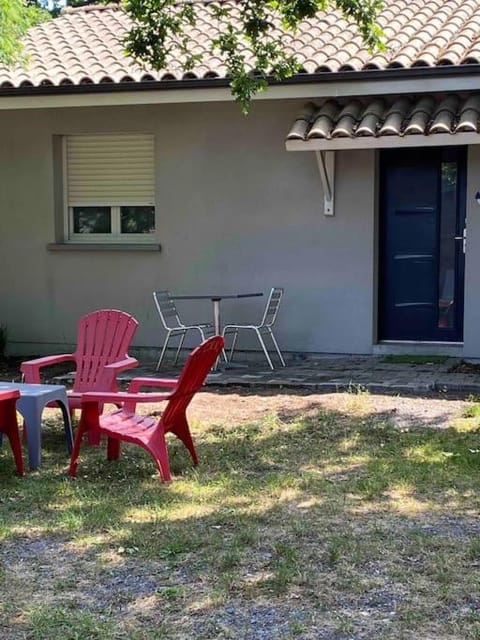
16 16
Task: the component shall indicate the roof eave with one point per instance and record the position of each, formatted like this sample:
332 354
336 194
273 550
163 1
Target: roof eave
343 83
385 142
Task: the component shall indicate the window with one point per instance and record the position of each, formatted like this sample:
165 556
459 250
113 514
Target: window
110 188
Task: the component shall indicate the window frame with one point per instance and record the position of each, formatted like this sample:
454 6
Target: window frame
115 237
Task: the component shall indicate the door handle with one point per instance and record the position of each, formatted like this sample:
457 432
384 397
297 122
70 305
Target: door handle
463 238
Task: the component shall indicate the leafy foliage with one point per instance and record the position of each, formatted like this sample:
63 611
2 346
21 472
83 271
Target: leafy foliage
83 3
16 16
247 39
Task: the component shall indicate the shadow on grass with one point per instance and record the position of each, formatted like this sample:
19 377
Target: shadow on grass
326 453
338 510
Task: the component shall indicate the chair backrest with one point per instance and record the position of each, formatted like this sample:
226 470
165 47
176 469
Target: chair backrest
192 377
271 308
104 337
166 309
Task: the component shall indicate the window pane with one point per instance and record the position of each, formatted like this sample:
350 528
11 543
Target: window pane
92 220
137 219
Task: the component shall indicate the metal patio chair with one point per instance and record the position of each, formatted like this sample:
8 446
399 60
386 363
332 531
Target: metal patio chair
262 329
172 324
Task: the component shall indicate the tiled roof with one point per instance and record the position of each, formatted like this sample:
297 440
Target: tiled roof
84 46
381 117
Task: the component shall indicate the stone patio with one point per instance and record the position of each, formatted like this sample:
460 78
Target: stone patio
377 374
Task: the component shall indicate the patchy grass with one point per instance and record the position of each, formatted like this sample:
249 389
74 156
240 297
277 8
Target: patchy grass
472 411
320 524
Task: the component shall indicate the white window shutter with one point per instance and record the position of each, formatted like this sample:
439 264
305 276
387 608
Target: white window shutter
110 169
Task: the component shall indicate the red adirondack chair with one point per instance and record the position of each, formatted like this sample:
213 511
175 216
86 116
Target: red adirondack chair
124 425
9 425
103 340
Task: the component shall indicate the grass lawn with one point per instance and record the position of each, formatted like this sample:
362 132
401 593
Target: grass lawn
325 520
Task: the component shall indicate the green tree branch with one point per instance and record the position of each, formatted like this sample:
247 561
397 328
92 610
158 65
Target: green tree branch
247 36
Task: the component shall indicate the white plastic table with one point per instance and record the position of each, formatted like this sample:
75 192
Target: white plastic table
33 400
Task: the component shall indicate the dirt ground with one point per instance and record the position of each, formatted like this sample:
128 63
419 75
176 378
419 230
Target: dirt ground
240 405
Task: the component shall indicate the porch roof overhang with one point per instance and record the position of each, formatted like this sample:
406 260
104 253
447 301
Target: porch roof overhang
382 122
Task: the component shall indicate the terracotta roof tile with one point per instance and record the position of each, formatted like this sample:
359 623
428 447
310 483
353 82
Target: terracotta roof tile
86 45
378 117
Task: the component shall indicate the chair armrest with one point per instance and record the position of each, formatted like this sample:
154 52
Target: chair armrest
121 397
12 394
137 383
31 368
122 365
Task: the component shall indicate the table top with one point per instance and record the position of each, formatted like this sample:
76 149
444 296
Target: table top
219 296
31 389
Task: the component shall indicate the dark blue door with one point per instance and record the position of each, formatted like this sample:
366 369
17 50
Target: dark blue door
421 245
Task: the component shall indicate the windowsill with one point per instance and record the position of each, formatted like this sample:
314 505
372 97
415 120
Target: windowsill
97 246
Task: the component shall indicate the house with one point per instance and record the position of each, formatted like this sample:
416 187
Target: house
355 185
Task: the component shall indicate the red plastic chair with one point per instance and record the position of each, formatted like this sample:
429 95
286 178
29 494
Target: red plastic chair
9 425
124 425
104 338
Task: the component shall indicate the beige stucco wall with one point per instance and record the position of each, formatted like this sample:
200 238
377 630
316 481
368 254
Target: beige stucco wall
236 212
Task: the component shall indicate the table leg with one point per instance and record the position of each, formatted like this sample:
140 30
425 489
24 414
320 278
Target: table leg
216 324
216 316
32 415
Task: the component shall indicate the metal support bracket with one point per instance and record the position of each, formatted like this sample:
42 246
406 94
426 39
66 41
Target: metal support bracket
326 168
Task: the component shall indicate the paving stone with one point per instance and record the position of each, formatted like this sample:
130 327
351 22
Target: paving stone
248 376
453 387
332 386
332 373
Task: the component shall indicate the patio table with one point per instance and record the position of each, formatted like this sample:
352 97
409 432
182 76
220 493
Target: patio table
216 299
33 400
